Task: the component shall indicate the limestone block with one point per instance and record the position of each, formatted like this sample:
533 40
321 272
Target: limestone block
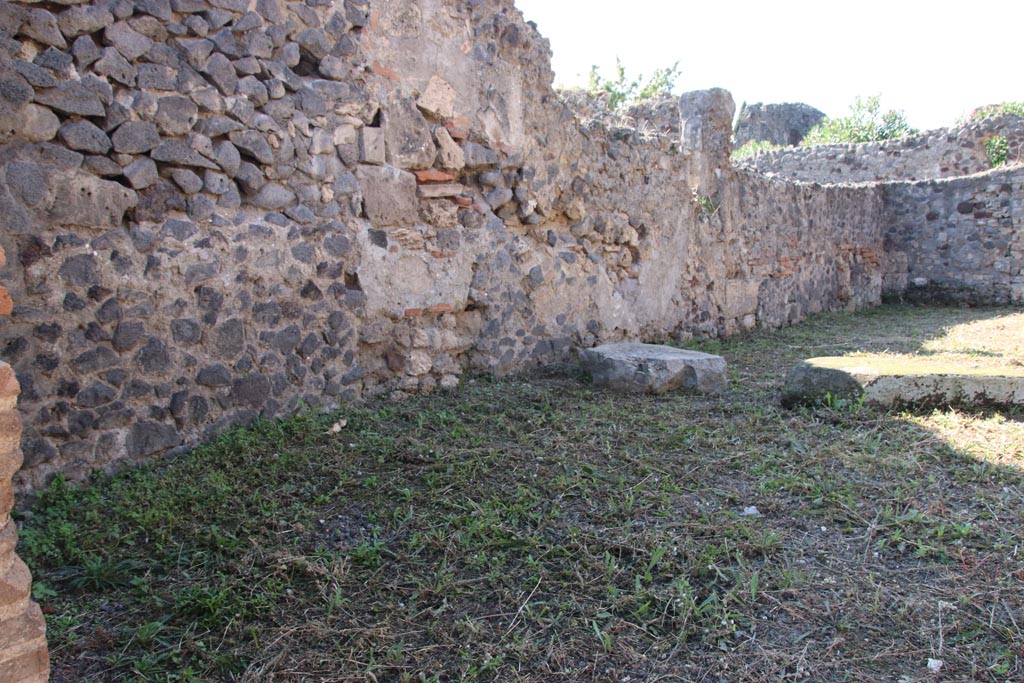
419 363
37 124
90 202
371 145
23 653
10 454
740 298
30 667
9 387
438 100
894 381
8 542
389 196
345 134
6 498
17 632
407 135
653 368
14 590
440 190
451 155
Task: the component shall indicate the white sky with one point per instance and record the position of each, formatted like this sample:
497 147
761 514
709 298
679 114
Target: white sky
935 60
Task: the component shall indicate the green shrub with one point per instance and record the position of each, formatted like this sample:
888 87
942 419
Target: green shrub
623 90
998 149
752 147
866 123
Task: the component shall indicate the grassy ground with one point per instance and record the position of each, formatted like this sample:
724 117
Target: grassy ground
537 529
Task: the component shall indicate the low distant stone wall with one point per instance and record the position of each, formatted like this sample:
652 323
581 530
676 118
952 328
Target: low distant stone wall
957 239
943 153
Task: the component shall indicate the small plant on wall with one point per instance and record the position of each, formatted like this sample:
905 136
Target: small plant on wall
998 150
704 205
623 90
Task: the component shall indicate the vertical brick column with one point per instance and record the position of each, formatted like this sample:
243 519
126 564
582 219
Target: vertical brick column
23 654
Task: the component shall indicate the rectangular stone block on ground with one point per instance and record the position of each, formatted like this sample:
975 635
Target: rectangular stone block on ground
653 368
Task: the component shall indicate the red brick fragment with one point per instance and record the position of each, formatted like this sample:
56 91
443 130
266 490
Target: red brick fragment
6 303
413 312
441 308
431 175
455 131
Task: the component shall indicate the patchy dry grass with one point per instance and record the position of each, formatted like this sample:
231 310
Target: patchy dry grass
535 529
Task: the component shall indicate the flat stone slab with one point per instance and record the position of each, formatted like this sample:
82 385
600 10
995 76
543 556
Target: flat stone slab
653 368
890 381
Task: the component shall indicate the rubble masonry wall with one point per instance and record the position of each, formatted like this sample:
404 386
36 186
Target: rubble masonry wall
220 209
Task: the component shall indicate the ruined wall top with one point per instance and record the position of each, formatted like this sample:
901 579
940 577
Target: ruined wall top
942 153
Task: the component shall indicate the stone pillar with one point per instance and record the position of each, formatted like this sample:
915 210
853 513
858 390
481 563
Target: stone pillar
23 654
705 117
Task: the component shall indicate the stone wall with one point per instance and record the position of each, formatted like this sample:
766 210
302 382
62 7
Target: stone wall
943 153
957 239
220 209
780 124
